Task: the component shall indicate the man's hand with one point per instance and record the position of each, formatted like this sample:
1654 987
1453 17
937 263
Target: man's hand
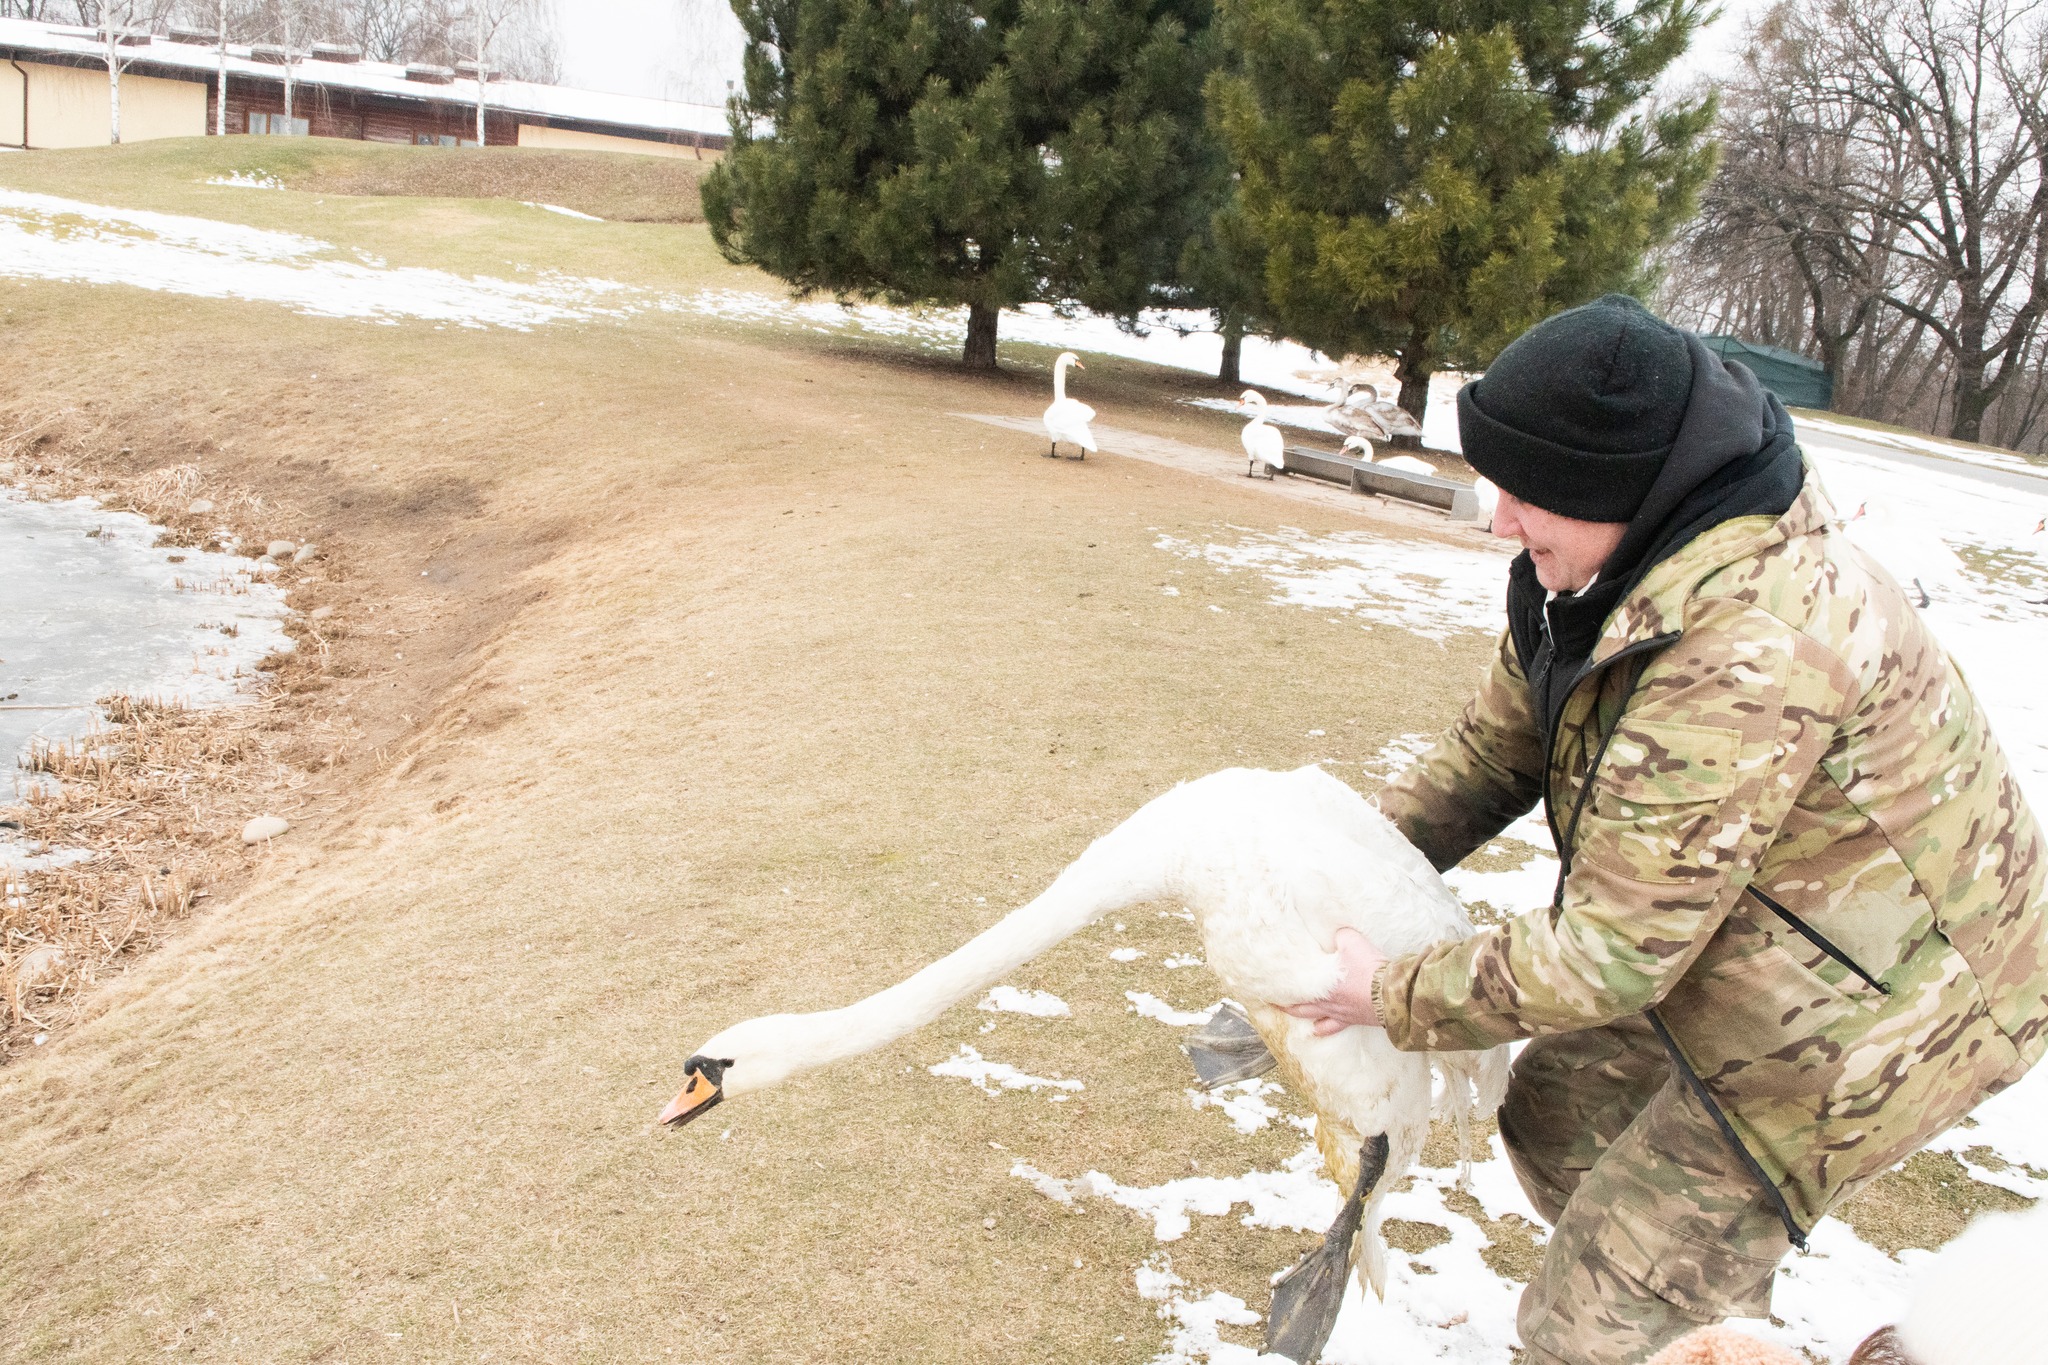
1350 1001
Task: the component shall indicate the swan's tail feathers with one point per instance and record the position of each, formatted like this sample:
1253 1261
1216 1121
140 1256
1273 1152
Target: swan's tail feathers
1307 1298
1227 1049
1471 1086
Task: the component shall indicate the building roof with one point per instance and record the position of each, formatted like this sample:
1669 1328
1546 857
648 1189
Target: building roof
514 97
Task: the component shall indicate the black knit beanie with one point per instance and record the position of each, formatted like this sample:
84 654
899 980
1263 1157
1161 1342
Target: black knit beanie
1578 413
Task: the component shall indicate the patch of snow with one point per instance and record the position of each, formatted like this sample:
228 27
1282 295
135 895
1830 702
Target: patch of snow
45 237
992 1078
1445 1303
1149 1006
1397 755
1125 954
248 180
1510 892
1244 1103
1195 1335
566 213
1296 1197
1430 589
1177 960
1039 1004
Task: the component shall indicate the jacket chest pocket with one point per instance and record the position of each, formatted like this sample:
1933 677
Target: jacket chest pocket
1658 810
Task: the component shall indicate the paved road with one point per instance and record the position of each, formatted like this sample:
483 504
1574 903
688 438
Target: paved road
2026 481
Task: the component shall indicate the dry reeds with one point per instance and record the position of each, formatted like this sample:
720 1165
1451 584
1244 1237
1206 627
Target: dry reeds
157 794
145 794
159 791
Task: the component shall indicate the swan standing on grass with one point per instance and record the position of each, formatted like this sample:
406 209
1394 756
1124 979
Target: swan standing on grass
1263 445
1273 865
1068 418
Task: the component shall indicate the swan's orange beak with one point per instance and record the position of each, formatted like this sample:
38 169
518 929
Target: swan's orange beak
699 1093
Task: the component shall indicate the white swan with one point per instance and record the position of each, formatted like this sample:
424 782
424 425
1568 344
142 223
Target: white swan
1272 865
1911 554
1264 446
1979 1300
1408 464
1488 494
1067 418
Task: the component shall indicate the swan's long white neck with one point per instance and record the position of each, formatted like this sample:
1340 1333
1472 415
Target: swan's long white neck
1059 381
1086 891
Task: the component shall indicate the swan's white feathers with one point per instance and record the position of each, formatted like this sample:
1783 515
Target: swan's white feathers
1412 464
1978 1300
1264 443
1067 419
1272 865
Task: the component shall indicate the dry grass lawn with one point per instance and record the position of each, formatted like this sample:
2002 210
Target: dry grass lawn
736 677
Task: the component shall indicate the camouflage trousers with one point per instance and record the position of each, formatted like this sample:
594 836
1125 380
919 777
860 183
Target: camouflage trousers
1657 1226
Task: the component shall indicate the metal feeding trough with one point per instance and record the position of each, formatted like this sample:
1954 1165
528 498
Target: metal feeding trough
1457 500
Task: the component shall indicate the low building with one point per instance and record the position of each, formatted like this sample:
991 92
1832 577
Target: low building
54 92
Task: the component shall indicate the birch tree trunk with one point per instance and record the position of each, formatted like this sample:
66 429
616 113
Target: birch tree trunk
220 89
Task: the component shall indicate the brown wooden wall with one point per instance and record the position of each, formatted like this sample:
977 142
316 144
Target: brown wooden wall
365 116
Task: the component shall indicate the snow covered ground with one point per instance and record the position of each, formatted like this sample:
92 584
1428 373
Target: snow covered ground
45 237
1442 1304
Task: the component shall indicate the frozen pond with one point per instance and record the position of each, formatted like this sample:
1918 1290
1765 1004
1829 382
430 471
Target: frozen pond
93 607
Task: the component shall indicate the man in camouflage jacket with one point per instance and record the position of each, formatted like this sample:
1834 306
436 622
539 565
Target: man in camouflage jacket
1801 925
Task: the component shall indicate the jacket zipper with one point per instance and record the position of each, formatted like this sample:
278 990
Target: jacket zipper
1684 1068
1713 1107
1561 838
1813 936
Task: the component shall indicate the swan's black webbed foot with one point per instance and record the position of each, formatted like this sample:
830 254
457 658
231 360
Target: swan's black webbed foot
1306 1300
1227 1049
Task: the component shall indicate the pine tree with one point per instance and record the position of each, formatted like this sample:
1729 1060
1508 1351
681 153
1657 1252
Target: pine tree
978 152
1427 178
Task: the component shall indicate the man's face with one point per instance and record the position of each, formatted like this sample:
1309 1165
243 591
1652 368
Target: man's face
1567 552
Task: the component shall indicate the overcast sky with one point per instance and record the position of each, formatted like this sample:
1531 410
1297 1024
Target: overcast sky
674 49
689 49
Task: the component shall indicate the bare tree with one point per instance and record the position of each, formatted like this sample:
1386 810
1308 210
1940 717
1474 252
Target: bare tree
1883 203
1958 88
117 21
484 20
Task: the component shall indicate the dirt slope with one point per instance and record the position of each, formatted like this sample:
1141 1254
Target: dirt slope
735 675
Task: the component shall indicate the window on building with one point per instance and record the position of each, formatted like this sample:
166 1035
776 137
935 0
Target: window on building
277 125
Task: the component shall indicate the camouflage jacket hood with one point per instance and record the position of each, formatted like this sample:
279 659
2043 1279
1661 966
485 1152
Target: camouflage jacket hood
1786 827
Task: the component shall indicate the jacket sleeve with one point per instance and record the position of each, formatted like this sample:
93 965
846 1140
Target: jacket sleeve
1479 775
1707 758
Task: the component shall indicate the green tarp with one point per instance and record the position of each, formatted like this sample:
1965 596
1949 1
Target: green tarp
1798 382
